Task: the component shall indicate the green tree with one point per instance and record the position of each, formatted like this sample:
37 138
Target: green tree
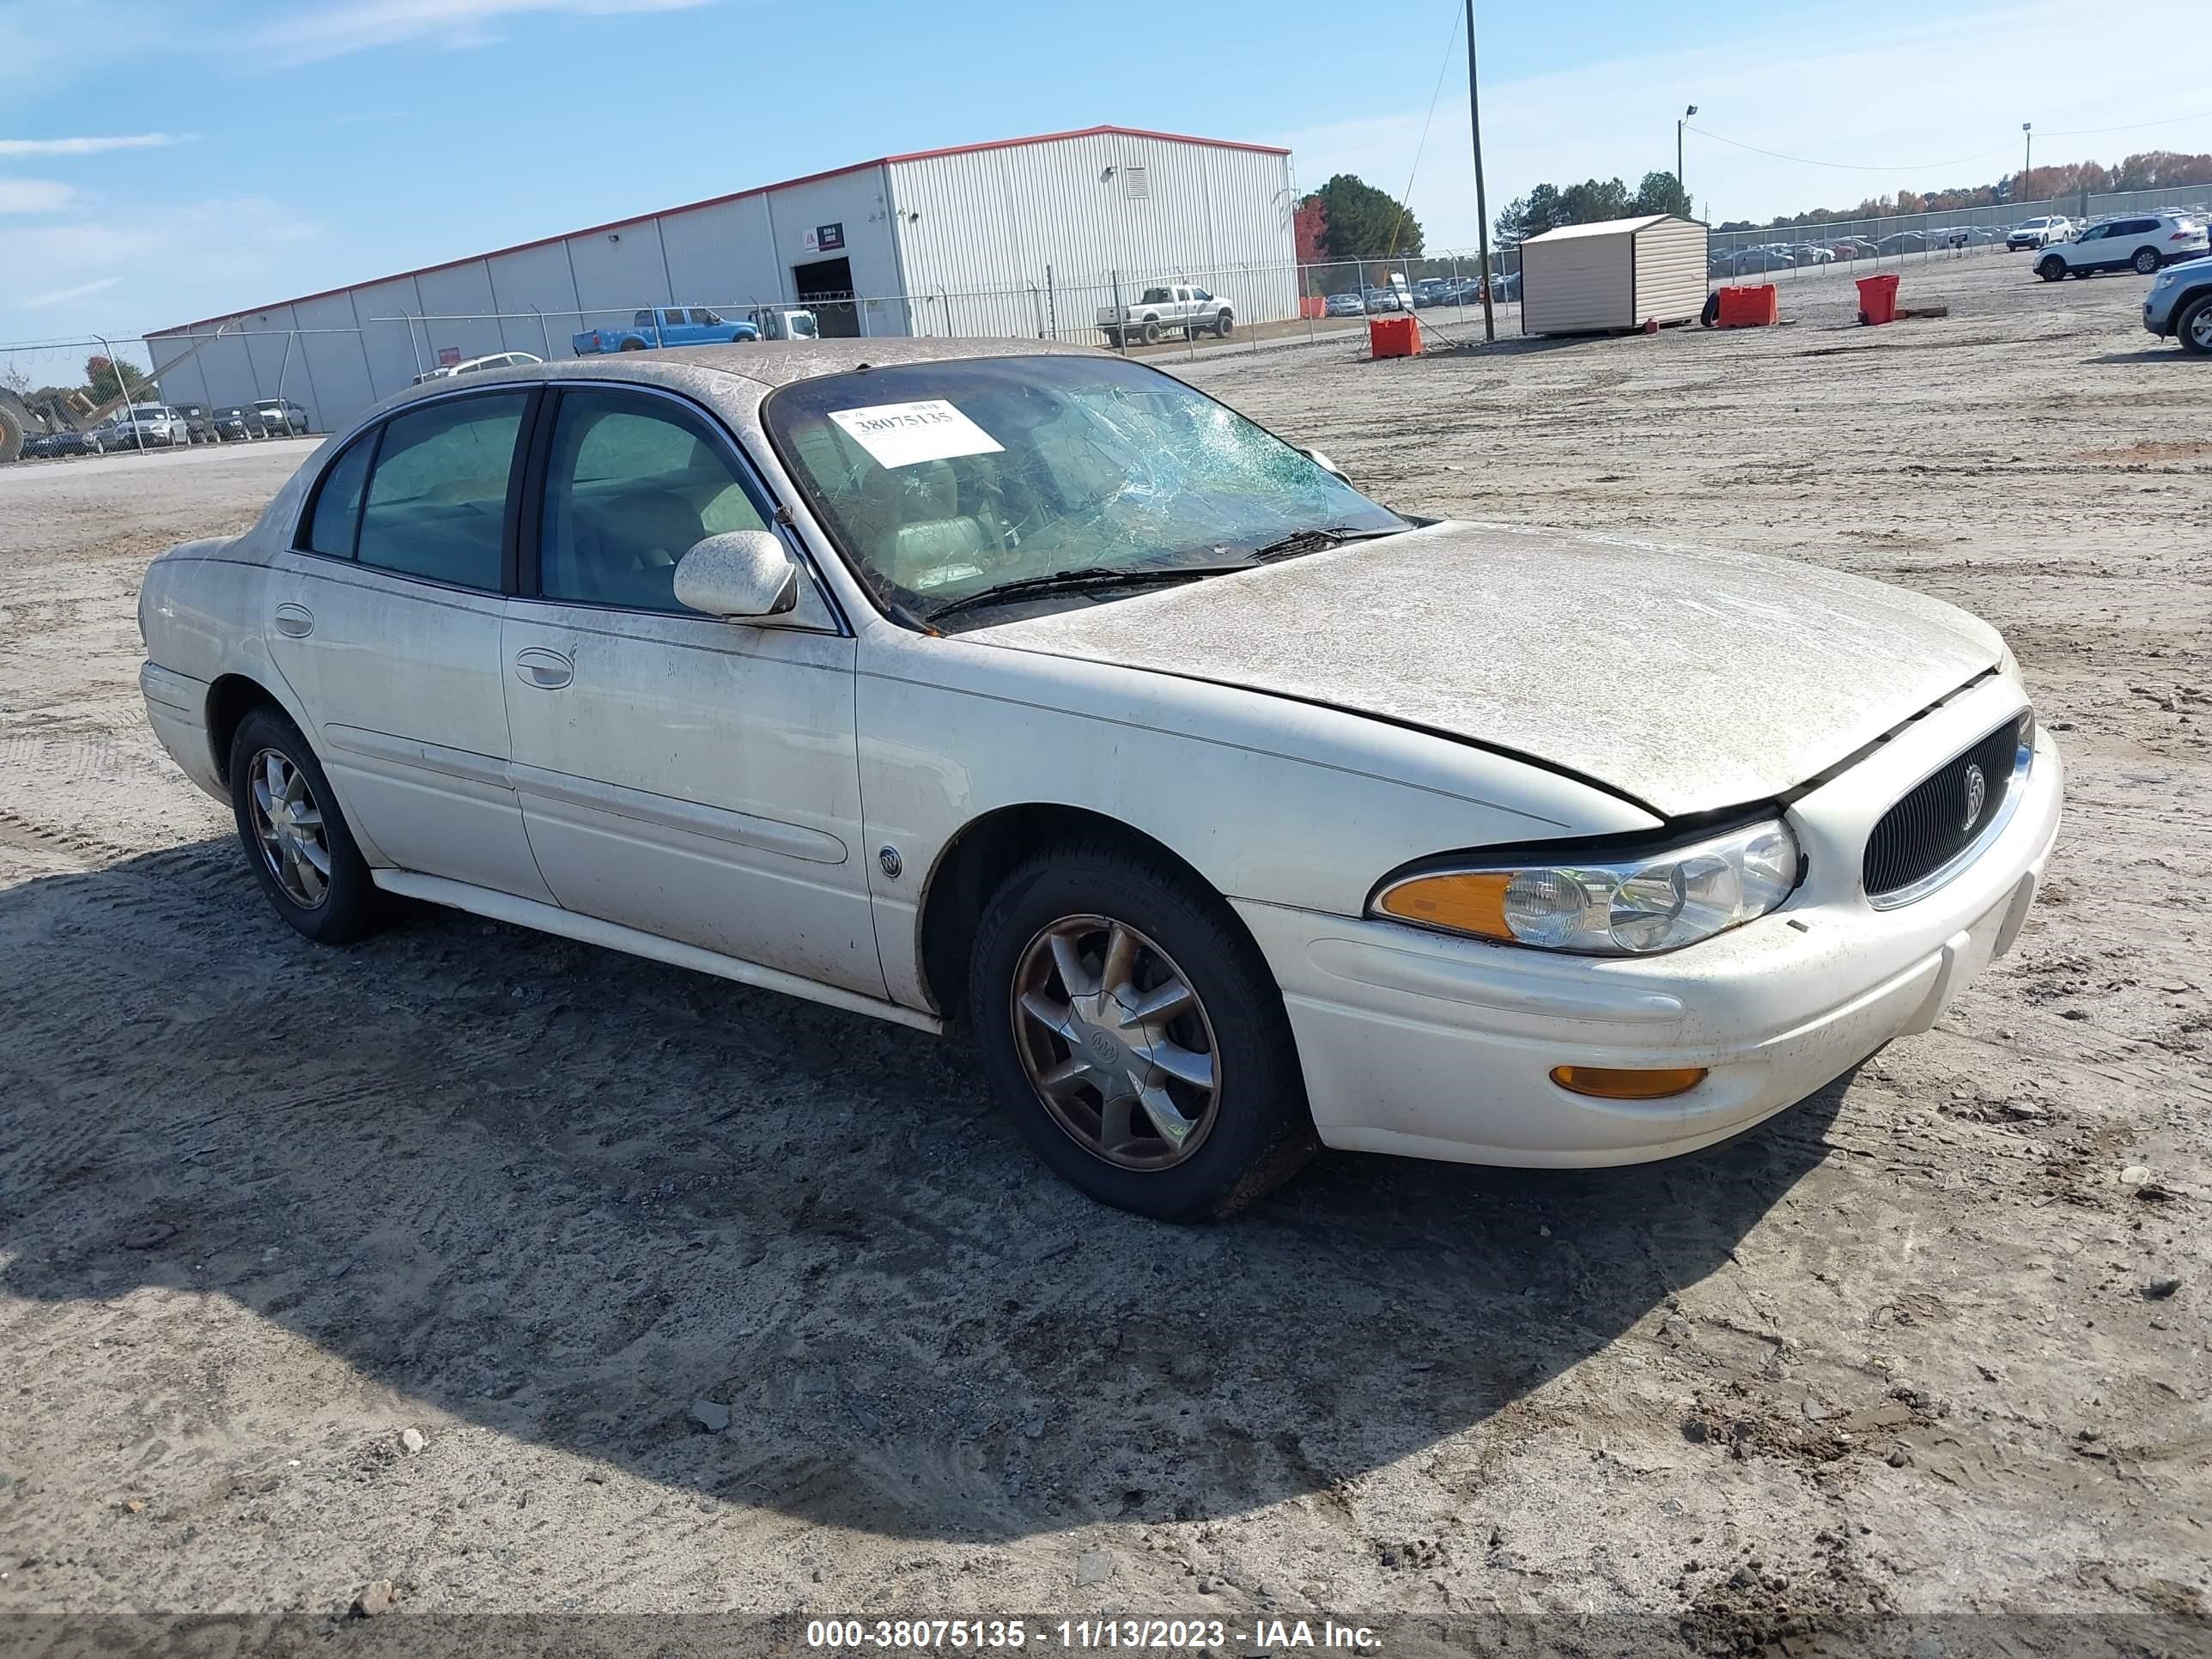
1662 192
1595 200
1362 223
1532 215
99 378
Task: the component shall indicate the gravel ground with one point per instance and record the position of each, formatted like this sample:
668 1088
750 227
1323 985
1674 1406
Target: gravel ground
408 1263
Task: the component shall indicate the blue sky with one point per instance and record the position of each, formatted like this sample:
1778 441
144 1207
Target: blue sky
166 160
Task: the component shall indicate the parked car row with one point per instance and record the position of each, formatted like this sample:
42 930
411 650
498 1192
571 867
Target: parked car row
1421 296
170 426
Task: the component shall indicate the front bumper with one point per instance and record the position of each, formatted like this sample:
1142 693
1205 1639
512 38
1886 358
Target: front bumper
1417 1043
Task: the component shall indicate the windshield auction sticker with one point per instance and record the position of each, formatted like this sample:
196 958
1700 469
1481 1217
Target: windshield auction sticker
906 434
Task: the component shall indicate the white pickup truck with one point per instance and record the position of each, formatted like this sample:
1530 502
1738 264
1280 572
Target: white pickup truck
1170 309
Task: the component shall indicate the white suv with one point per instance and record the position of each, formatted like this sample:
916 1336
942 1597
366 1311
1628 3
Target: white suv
2038 232
2142 244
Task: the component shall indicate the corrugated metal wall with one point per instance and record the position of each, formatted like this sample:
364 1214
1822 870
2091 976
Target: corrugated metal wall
341 353
1670 270
1020 239
1579 285
1054 221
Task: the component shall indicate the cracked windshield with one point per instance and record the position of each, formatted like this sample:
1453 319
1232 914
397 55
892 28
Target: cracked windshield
967 486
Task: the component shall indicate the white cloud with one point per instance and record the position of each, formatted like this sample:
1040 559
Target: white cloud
21 146
63 296
330 31
34 195
1955 88
175 262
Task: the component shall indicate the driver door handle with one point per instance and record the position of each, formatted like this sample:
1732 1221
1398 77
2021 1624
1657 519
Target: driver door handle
549 671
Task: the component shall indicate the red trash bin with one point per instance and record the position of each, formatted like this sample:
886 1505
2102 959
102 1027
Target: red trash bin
1877 299
1393 337
1757 305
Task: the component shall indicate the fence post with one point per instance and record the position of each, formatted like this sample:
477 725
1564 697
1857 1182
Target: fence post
1121 333
1051 306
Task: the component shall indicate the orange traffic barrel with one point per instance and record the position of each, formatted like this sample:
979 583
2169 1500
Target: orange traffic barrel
1877 299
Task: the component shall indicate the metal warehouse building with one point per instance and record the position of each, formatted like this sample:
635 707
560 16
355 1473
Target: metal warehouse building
1026 236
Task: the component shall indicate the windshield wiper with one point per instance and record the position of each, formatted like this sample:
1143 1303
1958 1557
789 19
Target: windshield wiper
1312 541
1075 582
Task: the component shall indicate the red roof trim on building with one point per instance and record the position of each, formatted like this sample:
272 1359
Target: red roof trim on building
717 201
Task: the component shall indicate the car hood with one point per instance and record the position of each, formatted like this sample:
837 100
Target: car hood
1686 679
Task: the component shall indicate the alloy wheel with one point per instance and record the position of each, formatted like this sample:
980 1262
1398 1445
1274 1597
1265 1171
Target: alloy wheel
287 823
1115 1043
2200 328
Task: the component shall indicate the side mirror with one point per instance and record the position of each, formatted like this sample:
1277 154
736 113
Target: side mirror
1325 464
740 574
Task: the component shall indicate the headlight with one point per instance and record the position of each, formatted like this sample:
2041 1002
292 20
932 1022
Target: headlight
1630 904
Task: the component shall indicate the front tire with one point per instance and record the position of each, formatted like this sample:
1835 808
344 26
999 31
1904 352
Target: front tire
1222 325
2193 327
2146 261
2052 269
295 838
1132 1030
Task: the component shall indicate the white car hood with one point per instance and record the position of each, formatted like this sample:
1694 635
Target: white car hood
1686 679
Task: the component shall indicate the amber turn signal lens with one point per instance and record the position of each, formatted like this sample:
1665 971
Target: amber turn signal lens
1608 1083
1466 903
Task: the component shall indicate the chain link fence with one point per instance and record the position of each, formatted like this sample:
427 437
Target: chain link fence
333 373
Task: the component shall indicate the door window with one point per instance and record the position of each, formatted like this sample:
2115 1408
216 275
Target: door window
437 500
336 517
632 483
674 319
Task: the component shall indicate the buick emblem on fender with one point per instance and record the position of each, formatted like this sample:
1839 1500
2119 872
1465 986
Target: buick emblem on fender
1978 791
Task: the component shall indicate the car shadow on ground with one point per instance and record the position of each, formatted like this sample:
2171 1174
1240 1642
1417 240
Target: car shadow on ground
564 1192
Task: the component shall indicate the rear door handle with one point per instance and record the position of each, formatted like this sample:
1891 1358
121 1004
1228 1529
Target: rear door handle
295 620
549 671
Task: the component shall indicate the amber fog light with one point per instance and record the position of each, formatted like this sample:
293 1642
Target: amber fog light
1608 1083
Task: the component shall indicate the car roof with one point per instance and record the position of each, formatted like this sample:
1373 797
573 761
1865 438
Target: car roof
769 363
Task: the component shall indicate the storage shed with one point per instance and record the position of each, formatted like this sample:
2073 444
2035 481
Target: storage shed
1593 279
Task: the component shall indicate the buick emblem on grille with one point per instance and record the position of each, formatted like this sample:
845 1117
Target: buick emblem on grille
1978 791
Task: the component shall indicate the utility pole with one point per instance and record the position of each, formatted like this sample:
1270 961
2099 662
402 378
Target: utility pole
1482 202
1681 183
2027 156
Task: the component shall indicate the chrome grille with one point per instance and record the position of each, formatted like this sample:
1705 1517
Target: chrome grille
1939 818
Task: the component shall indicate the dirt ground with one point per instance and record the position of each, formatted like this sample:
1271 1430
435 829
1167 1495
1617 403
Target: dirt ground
1912 1347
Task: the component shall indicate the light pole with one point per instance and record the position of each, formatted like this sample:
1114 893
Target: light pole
1681 183
1482 202
2027 156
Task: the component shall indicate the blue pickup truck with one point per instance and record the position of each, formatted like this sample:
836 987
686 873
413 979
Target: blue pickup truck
672 326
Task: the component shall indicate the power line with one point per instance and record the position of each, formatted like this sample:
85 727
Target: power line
1405 201
1855 167
2087 132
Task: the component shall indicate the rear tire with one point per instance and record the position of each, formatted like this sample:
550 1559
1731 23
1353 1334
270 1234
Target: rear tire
2146 261
633 345
1152 332
1129 1131
2193 327
2051 269
296 838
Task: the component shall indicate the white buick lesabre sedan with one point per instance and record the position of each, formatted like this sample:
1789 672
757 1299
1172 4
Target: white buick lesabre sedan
1235 811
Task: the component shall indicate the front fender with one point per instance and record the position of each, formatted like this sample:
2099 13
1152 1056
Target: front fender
1272 801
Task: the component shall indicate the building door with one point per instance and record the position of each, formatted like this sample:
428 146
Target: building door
825 288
